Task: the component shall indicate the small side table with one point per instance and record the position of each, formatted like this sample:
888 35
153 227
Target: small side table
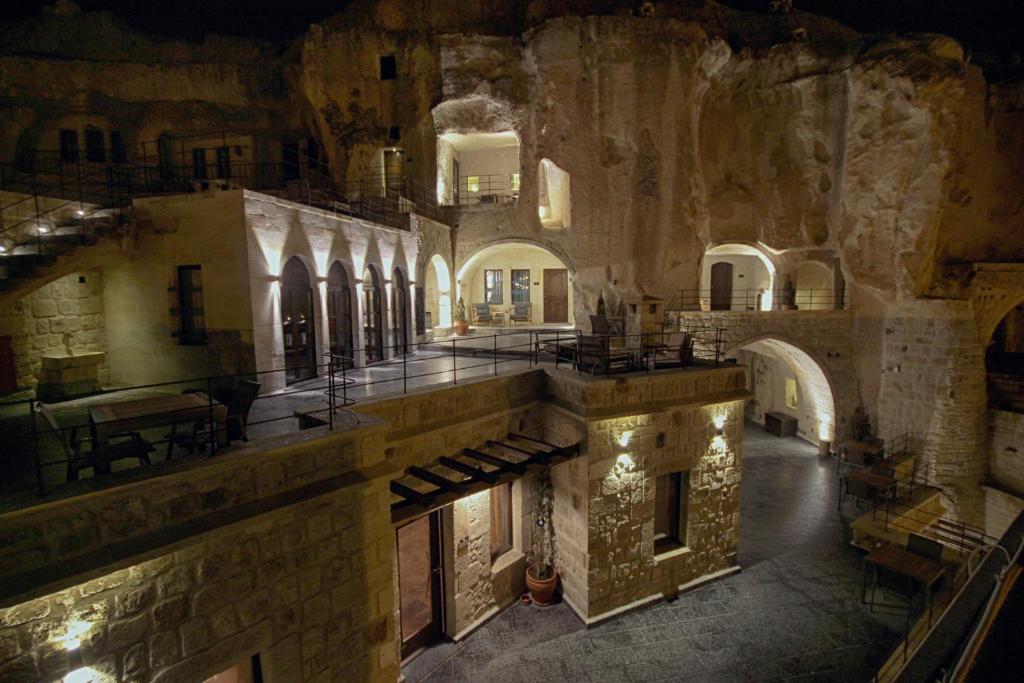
498 318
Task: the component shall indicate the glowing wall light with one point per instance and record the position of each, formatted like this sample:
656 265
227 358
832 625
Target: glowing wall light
624 464
718 444
625 437
719 421
72 637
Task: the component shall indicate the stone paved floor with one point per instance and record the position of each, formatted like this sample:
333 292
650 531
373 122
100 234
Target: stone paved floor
792 614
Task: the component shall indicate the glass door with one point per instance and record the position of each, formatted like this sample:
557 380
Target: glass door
373 332
297 322
419 582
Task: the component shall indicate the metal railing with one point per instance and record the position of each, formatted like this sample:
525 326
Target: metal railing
495 189
757 299
334 387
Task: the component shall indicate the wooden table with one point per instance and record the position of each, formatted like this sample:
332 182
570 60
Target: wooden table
921 570
110 419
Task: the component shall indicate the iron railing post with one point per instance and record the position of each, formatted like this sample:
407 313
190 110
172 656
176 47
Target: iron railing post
35 448
213 425
330 390
405 376
495 355
455 375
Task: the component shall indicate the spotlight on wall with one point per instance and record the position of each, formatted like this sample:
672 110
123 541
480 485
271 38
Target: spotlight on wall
624 464
718 444
625 437
72 638
43 230
3 249
719 423
79 213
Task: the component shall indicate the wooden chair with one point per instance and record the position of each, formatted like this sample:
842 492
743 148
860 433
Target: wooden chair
239 402
521 313
859 490
482 315
130 445
595 355
924 546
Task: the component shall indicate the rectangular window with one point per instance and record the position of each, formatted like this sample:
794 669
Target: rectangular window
520 286
671 492
68 144
791 394
199 163
388 68
192 322
117 153
515 182
501 520
223 162
94 150
493 283
473 183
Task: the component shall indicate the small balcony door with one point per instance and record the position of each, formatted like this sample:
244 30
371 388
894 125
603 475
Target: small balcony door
721 286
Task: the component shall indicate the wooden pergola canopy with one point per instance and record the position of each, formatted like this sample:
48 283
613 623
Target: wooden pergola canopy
470 471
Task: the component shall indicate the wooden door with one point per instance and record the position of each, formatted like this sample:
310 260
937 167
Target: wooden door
721 286
419 582
556 295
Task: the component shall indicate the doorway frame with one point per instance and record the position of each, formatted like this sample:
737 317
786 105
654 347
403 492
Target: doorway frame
548 319
437 629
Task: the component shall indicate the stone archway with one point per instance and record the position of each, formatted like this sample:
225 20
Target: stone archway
752 277
778 367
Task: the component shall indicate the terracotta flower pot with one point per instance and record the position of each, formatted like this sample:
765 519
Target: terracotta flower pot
542 591
461 328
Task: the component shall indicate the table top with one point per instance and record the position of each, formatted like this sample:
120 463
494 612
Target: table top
780 416
902 561
872 448
878 481
144 407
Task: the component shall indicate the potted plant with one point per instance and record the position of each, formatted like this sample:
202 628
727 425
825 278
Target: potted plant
541 575
461 324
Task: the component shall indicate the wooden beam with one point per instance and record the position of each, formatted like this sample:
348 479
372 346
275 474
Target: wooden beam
436 479
533 455
530 438
494 460
470 470
410 494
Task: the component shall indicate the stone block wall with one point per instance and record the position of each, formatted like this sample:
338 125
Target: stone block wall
624 567
307 587
1006 450
38 323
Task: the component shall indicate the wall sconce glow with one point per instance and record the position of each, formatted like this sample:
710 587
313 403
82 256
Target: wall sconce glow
824 428
80 213
718 443
3 249
544 212
624 438
719 422
43 230
624 464
86 674
72 638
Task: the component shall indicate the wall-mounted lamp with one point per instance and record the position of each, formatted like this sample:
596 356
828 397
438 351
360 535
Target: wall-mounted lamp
718 444
79 213
76 630
43 230
625 437
719 421
624 464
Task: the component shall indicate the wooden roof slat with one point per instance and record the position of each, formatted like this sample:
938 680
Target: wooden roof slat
437 480
509 465
474 472
410 494
533 455
530 438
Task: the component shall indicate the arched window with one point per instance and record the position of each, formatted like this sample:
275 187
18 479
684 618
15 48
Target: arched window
297 322
339 312
373 321
399 314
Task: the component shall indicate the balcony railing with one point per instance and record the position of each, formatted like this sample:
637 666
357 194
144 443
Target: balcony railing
754 299
39 452
497 189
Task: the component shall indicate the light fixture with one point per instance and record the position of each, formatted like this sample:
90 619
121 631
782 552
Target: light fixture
625 437
80 213
42 230
3 249
719 421
72 638
718 444
624 464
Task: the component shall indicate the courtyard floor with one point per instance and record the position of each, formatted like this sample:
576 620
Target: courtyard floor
792 614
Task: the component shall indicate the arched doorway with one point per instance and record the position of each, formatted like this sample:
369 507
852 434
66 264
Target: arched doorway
297 322
736 277
437 294
522 283
1004 363
373 321
339 312
786 379
399 313
815 287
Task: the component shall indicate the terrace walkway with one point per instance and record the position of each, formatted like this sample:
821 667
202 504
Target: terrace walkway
792 614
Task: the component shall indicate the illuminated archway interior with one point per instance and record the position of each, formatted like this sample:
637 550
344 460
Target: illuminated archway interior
437 292
815 287
1004 362
749 275
785 379
505 274
478 168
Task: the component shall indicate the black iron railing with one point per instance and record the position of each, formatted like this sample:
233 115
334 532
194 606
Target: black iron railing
757 299
332 390
495 189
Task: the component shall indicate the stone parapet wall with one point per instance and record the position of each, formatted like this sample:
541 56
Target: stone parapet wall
38 323
63 541
308 587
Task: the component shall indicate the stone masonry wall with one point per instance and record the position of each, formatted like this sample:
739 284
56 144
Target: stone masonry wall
1006 450
308 587
624 567
37 323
